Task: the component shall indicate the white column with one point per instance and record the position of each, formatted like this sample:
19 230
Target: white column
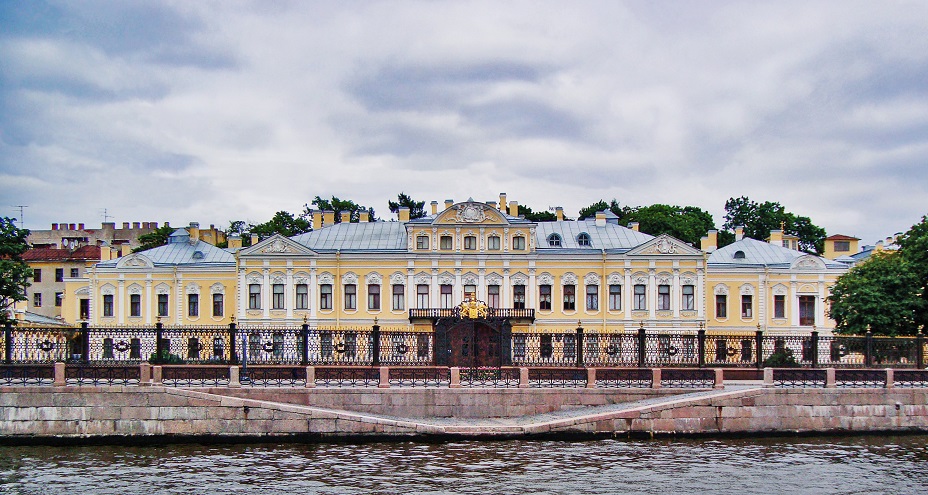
627 294
506 290
700 294
434 291
458 290
676 294
820 304
531 290
313 293
121 307
410 290
793 304
482 292
289 296
241 294
652 294
266 293
148 302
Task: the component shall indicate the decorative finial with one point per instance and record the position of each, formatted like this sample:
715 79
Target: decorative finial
375 320
304 319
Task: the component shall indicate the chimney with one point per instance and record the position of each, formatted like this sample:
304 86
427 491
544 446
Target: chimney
600 218
125 225
154 225
514 208
448 203
317 219
135 225
194 231
345 216
364 216
776 237
72 226
879 246
235 241
559 211
145 225
502 201
434 207
710 241
328 217
404 214
739 233
254 239
80 226
54 226
124 249
632 225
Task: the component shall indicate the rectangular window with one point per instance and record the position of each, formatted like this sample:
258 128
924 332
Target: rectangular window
446 299
779 306
422 296
422 242
641 298
325 296
373 297
842 246
108 305
135 305
689 298
493 243
302 296
747 306
59 297
518 296
59 274
470 242
399 296
37 275
721 306
162 304
84 305
570 297
446 242
663 297
544 297
592 298
351 296
518 243
37 300
193 305
75 272
493 296
254 296
806 310
470 290
218 305
615 297
277 296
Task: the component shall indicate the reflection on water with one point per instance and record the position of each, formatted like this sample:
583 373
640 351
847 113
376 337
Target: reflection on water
865 465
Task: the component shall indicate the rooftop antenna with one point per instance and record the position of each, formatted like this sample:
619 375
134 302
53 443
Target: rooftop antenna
105 216
22 220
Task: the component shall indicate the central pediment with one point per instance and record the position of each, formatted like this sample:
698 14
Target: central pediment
471 213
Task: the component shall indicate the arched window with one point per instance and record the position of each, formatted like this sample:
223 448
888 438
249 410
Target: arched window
554 240
739 255
583 239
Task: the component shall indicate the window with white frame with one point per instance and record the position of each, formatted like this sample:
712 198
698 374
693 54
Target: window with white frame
399 296
663 297
544 297
470 243
493 296
615 297
302 296
446 300
351 296
422 296
689 297
570 297
277 299
641 298
493 243
518 243
518 296
325 296
373 297
254 296
592 298
422 242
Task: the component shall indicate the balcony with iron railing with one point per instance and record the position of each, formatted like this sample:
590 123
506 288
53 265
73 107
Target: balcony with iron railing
435 313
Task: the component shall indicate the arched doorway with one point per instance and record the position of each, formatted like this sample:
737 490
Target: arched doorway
473 343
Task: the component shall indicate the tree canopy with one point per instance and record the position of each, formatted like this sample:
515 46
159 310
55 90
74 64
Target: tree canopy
14 272
155 238
539 216
337 205
886 293
758 219
687 223
283 223
416 208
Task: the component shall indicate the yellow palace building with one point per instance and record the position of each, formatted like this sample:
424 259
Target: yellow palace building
412 274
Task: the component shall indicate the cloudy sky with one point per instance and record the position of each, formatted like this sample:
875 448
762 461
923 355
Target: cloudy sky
200 111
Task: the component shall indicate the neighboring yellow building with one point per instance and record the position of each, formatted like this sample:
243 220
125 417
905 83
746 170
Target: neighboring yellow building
52 269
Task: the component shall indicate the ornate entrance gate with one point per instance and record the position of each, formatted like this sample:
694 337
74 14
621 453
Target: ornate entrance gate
472 342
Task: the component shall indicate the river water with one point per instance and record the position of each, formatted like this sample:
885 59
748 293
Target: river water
794 466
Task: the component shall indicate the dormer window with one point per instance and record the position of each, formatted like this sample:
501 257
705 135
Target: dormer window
739 255
554 240
583 239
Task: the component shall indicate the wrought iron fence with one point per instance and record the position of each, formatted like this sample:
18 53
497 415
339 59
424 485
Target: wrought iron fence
420 377
29 375
860 378
343 376
557 377
273 376
687 378
94 375
195 376
799 378
624 378
490 377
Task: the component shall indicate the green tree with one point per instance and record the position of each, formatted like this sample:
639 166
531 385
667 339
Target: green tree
758 219
416 208
14 272
613 206
880 293
283 223
155 238
540 216
687 223
913 247
337 205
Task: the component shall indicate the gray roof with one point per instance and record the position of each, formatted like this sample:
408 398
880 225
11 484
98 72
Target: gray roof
183 253
610 236
365 236
760 253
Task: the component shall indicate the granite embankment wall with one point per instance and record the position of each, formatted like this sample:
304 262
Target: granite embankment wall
42 413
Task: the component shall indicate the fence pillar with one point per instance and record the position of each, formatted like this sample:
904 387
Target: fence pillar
523 378
304 350
890 378
234 381
719 378
310 376
830 378
8 342
233 354
384 377
375 343
868 349
85 342
156 375
591 378
144 374
768 377
701 343
759 348
814 346
60 377
159 345
455 377
642 347
920 350
655 378
579 345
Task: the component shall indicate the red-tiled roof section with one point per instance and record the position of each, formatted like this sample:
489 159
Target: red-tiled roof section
841 237
57 254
